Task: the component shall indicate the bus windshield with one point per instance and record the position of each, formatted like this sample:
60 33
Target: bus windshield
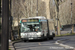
30 27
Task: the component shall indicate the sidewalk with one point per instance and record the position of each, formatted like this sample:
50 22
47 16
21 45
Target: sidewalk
11 43
11 46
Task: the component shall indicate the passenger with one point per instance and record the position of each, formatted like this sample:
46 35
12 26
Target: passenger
36 29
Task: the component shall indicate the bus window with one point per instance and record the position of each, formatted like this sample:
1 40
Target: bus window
30 27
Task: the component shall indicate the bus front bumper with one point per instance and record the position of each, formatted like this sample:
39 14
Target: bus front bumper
31 38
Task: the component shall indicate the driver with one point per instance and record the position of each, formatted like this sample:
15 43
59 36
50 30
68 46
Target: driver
36 29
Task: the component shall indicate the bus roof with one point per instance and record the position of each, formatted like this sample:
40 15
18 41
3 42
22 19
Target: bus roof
37 17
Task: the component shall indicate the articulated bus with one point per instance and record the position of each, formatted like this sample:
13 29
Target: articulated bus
35 28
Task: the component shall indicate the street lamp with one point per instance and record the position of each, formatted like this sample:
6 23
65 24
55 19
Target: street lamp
71 11
71 18
5 25
37 8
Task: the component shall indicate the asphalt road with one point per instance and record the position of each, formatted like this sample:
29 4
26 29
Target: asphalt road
43 45
47 44
70 41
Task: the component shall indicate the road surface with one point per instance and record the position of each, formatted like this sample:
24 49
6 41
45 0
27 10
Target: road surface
70 41
44 45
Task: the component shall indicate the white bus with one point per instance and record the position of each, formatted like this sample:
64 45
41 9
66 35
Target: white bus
35 28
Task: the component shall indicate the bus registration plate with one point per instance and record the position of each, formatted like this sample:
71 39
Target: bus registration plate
30 38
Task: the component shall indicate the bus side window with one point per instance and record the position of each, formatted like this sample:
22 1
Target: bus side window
41 25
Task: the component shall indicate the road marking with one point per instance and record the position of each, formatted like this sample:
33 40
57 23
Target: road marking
27 47
66 46
39 43
56 42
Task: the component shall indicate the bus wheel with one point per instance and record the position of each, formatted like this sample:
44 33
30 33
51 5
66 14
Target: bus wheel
43 37
24 40
53 34
47 38
51 38
27 41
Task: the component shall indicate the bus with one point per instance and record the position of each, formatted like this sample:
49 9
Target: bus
35 28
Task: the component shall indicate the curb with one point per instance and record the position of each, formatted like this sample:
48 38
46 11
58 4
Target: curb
59 41
64 35
12 47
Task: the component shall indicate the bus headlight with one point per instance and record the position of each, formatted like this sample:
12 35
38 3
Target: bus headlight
39 34
23 35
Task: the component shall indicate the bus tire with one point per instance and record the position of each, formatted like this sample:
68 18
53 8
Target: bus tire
47 38
53 34
24 40
27 41
43 37
51 38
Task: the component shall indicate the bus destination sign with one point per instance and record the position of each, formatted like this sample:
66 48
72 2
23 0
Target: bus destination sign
30 20
33 20
24 20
